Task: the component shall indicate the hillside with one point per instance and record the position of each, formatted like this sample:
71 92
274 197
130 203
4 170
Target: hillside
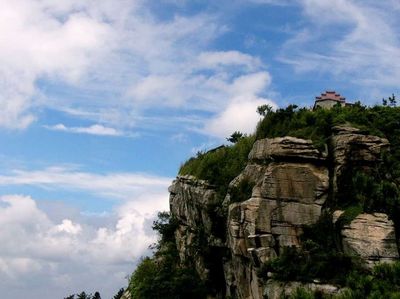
308 207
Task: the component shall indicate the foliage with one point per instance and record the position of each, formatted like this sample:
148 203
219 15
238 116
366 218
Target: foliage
235 137
242 191
162 279
263 110
119 294
317 124
319 257
220 166
84 295
165 226
302 293
348 216
382 282
163 276
308 263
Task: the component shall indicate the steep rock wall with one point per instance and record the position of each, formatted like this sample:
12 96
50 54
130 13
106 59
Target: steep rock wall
292 185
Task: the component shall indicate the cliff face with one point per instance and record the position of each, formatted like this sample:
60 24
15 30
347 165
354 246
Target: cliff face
292 185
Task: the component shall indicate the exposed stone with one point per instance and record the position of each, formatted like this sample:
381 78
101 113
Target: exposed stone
284 147
190 200
277 289
291 182
126 295
336 214
252 173
372 237
304 183
351 148
349 144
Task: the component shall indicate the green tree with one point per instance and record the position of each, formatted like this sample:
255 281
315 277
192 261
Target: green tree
235 137
83 295
392 100
264 109
119 294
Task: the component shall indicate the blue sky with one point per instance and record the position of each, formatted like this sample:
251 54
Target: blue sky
103 100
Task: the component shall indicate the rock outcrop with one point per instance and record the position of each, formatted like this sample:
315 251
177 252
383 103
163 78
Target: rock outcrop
353 149
277 289
284 148
192 202
372 237
291 185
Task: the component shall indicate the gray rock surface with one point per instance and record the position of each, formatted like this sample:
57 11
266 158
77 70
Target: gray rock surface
285 148
291 181
351 148
372 237
277 289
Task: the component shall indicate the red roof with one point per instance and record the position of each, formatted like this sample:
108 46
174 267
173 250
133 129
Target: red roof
330 95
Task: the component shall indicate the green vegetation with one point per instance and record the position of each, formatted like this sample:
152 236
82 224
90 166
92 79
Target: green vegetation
317 124
361 190
84 295
163 276
320 256
119 294
382 282
220 166
348 216
242 191
235 137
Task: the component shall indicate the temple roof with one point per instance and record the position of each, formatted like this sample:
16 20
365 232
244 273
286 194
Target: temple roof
330 95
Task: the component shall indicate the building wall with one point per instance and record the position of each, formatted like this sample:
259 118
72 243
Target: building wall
327 104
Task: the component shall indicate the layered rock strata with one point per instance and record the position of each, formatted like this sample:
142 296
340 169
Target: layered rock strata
292 182
370 236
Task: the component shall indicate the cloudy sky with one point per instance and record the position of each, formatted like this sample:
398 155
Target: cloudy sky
102 100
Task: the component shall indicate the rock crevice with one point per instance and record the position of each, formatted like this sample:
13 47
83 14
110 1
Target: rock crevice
292 182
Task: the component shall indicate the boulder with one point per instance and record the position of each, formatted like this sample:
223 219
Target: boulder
284 148
350 144
372 237
303 183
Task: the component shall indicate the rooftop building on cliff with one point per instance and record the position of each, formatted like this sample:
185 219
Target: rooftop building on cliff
329 99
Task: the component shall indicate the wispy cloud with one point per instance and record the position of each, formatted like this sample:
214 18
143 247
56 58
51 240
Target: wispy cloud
115 185
359 42
125 60
75 251
72 254
96 129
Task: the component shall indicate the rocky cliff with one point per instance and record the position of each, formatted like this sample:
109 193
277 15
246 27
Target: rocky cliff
228 240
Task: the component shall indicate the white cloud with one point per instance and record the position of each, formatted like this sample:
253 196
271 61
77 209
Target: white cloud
227 58
72 255
114 185
72 251
36 43
68 227
240 114
97 48
96 129
359 42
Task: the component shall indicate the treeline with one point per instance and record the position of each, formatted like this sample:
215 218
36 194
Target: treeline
96 295
320 257
163 276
